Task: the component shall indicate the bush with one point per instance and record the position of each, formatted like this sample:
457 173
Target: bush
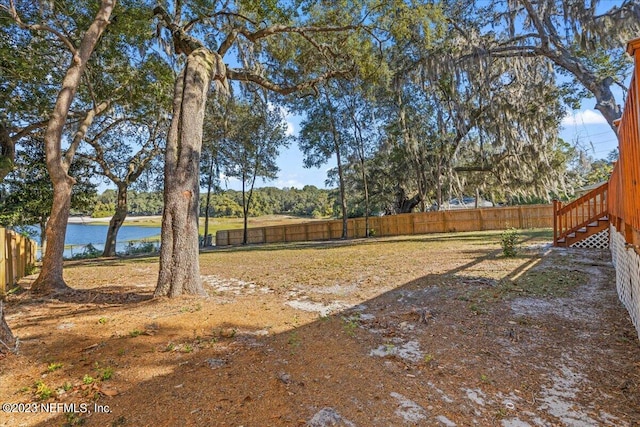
142 247
509 241
88 252
103 210
30 269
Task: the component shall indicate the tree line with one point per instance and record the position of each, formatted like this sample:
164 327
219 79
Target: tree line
415 102
308 201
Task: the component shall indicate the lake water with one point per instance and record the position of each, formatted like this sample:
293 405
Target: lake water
80 235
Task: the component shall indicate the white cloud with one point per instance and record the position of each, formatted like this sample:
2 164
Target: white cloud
287 116
290 129
288 183
586 117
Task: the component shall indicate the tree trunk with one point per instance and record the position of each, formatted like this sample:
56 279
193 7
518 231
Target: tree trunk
365 184
343 196
7 341
600 88
50 278
439 185
43 237
245 211
421 181
116 221
403 203
336 147
179 252
208 203
7 152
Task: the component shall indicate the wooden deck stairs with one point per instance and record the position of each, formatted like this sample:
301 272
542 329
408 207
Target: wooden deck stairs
582 218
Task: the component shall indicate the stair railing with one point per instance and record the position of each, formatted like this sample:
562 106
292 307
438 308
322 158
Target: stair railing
578 214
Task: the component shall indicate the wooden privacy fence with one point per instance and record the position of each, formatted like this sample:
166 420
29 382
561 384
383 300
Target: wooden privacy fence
533 216
624 198
17 255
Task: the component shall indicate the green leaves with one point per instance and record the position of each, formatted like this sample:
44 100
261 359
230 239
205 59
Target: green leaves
27 191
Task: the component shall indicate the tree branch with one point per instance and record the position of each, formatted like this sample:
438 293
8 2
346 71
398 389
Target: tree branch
183 42
194 21
28 129
505 52
544 38
246 76
280 29
82 130
138 163
228 42
13 13
473 169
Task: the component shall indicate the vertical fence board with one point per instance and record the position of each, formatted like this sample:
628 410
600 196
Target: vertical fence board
11 253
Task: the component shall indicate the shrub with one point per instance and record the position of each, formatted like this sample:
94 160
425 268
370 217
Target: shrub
142 247
88 252
30 269
509 241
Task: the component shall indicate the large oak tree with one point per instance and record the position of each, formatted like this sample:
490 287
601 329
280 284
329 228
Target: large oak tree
281 49
59 162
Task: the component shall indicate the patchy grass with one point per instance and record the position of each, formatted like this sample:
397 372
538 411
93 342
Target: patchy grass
551 282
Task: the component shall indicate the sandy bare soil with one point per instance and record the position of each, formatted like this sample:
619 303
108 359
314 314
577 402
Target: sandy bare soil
426 330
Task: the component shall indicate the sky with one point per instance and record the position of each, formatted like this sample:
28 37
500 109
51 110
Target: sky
292 172
589 130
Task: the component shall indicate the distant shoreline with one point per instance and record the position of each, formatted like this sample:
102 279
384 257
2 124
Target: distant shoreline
132 220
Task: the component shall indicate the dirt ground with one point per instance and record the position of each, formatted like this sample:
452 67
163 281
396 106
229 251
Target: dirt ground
434 330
